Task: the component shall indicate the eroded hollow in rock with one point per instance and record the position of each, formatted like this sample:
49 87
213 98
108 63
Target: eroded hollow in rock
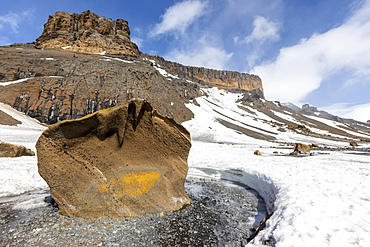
124 161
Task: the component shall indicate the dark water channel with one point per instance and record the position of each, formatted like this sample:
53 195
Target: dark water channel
222 213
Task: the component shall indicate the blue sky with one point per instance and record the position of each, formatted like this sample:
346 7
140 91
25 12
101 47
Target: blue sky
315 52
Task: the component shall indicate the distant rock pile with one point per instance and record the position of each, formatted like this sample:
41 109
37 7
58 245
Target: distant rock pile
87 32
11 150
301 149
123 161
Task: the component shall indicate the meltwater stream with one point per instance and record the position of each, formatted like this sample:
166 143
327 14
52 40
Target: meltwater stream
222 213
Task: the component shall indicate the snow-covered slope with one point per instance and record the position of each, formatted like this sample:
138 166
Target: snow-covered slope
221 116
19 175
319 200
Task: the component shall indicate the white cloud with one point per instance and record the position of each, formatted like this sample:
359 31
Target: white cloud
300 69
263 30
13 19
346 110
178 17
138 41
201 54
4 41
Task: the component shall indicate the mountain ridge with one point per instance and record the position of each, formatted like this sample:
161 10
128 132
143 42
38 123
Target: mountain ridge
53 84
63 78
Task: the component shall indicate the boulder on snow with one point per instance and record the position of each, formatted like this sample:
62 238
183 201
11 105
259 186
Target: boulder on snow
353 143
257 152
123 161
11 150
301 149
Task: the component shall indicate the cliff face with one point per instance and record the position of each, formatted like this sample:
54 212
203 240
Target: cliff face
87 32
219 78
64 85
67 84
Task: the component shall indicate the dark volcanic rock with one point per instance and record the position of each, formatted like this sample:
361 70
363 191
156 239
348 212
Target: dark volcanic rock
123 161
10 150
87 32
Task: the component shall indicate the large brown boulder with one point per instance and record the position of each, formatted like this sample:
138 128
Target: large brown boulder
123 161
87 32
11 150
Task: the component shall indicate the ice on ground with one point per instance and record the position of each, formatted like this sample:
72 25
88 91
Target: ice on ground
162 71
30 204
118 59
320 200
13 82
66 47
100 53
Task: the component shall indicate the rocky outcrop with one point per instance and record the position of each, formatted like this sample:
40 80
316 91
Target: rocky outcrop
59 84
87 32
65 85
6 119
301 149
123 161
229 80
11 150
353 144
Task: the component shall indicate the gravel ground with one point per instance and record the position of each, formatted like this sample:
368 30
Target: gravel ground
222 213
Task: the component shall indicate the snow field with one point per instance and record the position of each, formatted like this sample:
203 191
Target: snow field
20 175
320 200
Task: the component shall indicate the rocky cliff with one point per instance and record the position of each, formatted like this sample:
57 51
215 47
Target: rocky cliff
87 32
54 84
219 78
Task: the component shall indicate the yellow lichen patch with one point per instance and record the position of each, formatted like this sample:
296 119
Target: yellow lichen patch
131 184
103 188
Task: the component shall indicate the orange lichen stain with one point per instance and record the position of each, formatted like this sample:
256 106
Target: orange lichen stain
131 184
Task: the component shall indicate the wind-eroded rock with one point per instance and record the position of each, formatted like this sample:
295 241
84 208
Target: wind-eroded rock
10 150
123 161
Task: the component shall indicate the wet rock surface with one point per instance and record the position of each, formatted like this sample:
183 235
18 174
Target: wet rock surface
222 213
